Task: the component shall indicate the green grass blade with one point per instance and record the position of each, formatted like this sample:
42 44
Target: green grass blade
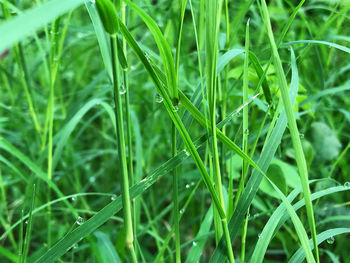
164 49
299 154
29 21
108 211
329 234
253 183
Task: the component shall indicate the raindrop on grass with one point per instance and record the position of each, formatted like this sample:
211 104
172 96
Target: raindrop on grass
301 135
159 98
259 236
194 243
187 186
122 90
80 220
113 197
176 108
182 211
26 222
331 240
187 152
75 246
347 184
73 198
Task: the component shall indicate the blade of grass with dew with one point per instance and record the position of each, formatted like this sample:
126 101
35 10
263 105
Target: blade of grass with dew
29 227
42 207
173 115
108 211
196 114
32 20
252 186
329 234
299 154
164 49
196 250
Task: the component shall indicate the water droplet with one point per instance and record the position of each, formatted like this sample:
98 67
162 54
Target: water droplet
259 236
122 89
75 246
73 199
246 132
182 211
92 2
194 243
80 220
159 98
56 58
113 197
331 240
176 108
238 114
347 184
26 222
187 186
147 56
187 152
92 179
301 135
248 215
193 183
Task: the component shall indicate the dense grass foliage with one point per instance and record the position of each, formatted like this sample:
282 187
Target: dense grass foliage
174 131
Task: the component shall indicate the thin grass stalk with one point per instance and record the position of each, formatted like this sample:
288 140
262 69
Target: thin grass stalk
212 27
173 140
29 227
299 154
21 231
211 57
128 120
129 238
245 138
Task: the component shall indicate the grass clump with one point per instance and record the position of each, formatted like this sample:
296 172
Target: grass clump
160 131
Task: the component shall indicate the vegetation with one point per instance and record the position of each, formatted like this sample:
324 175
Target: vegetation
174 131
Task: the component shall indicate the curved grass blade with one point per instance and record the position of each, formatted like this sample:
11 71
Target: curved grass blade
330 44
279 218
299 256
294 132
164 49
